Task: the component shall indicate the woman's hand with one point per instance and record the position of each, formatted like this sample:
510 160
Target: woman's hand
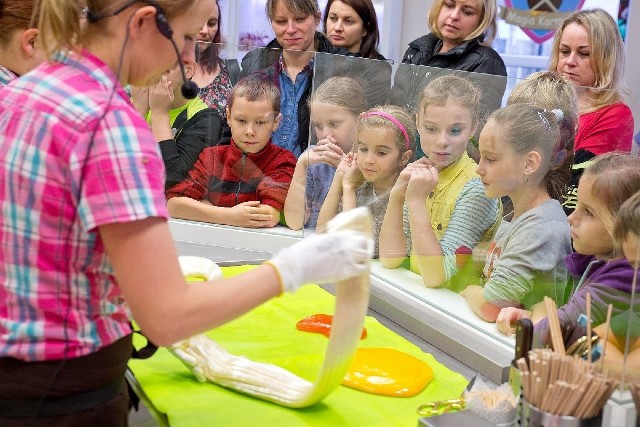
161 96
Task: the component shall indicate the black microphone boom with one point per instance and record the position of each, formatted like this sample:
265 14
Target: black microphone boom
189 89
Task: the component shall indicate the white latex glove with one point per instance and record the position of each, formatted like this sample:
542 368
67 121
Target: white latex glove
210 362
323 258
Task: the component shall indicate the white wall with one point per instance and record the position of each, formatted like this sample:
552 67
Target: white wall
632 56
413 25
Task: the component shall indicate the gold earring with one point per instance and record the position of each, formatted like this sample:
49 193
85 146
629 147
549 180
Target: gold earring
526 178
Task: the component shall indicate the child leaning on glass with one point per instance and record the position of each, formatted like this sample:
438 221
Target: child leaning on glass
437 204
243 184
624 327
385 142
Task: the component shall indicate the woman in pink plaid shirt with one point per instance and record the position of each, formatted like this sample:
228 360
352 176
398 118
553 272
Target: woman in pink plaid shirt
84 219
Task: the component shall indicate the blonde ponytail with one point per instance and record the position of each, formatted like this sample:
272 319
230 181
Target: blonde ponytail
59 24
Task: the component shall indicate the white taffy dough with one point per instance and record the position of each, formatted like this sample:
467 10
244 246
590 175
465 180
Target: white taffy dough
210 362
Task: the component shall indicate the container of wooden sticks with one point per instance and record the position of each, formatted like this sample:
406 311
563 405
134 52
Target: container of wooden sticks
635 393
534 417
562 390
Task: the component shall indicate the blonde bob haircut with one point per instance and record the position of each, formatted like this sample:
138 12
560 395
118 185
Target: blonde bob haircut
606 52
63 25
487 26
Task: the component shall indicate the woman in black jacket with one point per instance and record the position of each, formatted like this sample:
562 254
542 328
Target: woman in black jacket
288 62
460 39
300 56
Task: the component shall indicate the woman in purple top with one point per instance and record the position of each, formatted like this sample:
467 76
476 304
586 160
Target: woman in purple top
597 266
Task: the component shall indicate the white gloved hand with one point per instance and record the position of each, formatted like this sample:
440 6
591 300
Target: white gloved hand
323 258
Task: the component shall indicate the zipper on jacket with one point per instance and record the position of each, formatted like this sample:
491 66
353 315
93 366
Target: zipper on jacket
244 162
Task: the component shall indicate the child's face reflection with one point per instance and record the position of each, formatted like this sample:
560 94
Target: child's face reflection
340 123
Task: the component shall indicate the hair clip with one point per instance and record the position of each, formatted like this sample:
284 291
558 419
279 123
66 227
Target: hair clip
558 113
545 122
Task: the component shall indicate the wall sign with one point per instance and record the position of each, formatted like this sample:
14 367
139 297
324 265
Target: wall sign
538 18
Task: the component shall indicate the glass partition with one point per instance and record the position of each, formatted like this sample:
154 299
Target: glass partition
341 88
344 88
406 86
625 328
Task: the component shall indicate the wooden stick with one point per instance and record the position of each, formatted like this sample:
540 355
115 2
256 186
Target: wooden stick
538 391
522 365
556 363
606 335
554 326
544 375
610 386
587 400
547 401
589 327
574 401
564 399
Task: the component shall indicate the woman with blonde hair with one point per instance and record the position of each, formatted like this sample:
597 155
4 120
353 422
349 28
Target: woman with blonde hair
18 36
82 189
589 50
460 39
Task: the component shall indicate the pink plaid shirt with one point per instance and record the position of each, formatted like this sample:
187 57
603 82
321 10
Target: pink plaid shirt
76 156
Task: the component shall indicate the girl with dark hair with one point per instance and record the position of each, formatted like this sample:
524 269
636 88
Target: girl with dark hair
212 75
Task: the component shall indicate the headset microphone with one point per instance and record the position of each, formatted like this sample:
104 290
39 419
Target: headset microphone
189 89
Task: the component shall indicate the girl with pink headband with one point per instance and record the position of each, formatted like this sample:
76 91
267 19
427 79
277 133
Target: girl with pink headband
437 207
385 143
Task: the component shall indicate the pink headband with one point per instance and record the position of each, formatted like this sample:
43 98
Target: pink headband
392 120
